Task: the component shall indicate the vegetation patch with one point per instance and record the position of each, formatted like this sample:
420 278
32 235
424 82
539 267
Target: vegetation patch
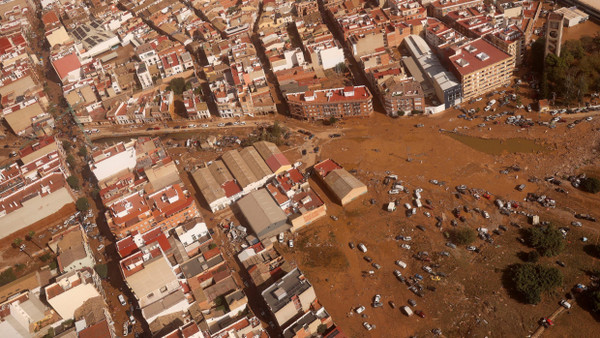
464 236
548 241
530 280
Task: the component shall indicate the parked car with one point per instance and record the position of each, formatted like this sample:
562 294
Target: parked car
412 302
368 326
351 245
291 243
368 259
471 248
280 237
360 309
362 247
122 300
420 313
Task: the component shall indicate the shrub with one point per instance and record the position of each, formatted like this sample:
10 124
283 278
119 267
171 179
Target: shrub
71 161
45 257
53 265
321 329
73 182
533 256
82 204
82 151
101 270
530 280
7 276
464 236
591 185
548 241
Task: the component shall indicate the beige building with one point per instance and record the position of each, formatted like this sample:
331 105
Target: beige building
510 40
344 187
292 295
72 250
73 289
480 67
554 30
272 156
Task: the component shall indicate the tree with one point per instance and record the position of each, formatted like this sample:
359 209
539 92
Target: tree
82 204
73 182
341 68
7 276
30 235
332 120
177 85
321 329
101 270
83 151
66 146
17 242
518 100
590 184
71 161
533 256
530 280
464 236
548 241
536 58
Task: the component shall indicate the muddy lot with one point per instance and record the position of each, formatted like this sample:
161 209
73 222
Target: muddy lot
471 300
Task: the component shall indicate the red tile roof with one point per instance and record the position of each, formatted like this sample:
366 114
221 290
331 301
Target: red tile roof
325 167
473 62
99 329
66 64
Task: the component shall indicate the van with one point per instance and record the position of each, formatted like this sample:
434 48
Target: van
407 311
418 203
362 247
401 264
391 206
407 206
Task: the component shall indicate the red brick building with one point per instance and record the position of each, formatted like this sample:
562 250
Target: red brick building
335 102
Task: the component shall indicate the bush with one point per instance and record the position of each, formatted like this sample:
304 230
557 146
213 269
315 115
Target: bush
7 276
71 161
101 270
53 265
321 329
591 185
82 204
82 151
464 236
530 280
533 256
73 182
45 257
548 241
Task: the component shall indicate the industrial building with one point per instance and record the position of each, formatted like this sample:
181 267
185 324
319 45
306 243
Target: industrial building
274 158
262 214
344 187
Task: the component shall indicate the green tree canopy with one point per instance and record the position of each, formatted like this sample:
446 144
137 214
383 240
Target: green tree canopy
73 182
530 280
177 85
82 204
464 236
548 241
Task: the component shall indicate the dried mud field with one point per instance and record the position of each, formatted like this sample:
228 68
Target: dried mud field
472 300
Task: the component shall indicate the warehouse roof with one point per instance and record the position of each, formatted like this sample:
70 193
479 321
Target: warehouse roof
256 163
208 185
272 156
260 210
239 168
341 182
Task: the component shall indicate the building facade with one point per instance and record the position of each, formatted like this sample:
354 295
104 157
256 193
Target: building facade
327 103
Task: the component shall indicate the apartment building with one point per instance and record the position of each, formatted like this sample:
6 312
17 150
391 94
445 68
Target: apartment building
401 97
480 67
510 40
139 211
440 8
352 101
73 289
290 297
154 284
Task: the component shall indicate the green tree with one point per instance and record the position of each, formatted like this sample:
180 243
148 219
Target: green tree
177 85
464 236
82 204
101 270
332 120
73 182
536 59
530 280
548 241
53 265
321 329
7 276
71 161
30 235
341 68
66 146
17 242
82 151
533 256
591 185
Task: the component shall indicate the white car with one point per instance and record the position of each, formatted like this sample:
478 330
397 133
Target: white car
280 237
243 123
405 246
368 326
377 299
122 300
394 192
407 238
362 247
221 125
205 125
291 243
100 247
360 309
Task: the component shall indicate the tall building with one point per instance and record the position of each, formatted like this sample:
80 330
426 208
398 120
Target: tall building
402 96
326 103
554 27
143 75
480 67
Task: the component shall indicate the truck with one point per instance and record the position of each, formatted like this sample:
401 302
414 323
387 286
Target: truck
407 311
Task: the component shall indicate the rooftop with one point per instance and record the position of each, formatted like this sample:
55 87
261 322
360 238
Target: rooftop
289 286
